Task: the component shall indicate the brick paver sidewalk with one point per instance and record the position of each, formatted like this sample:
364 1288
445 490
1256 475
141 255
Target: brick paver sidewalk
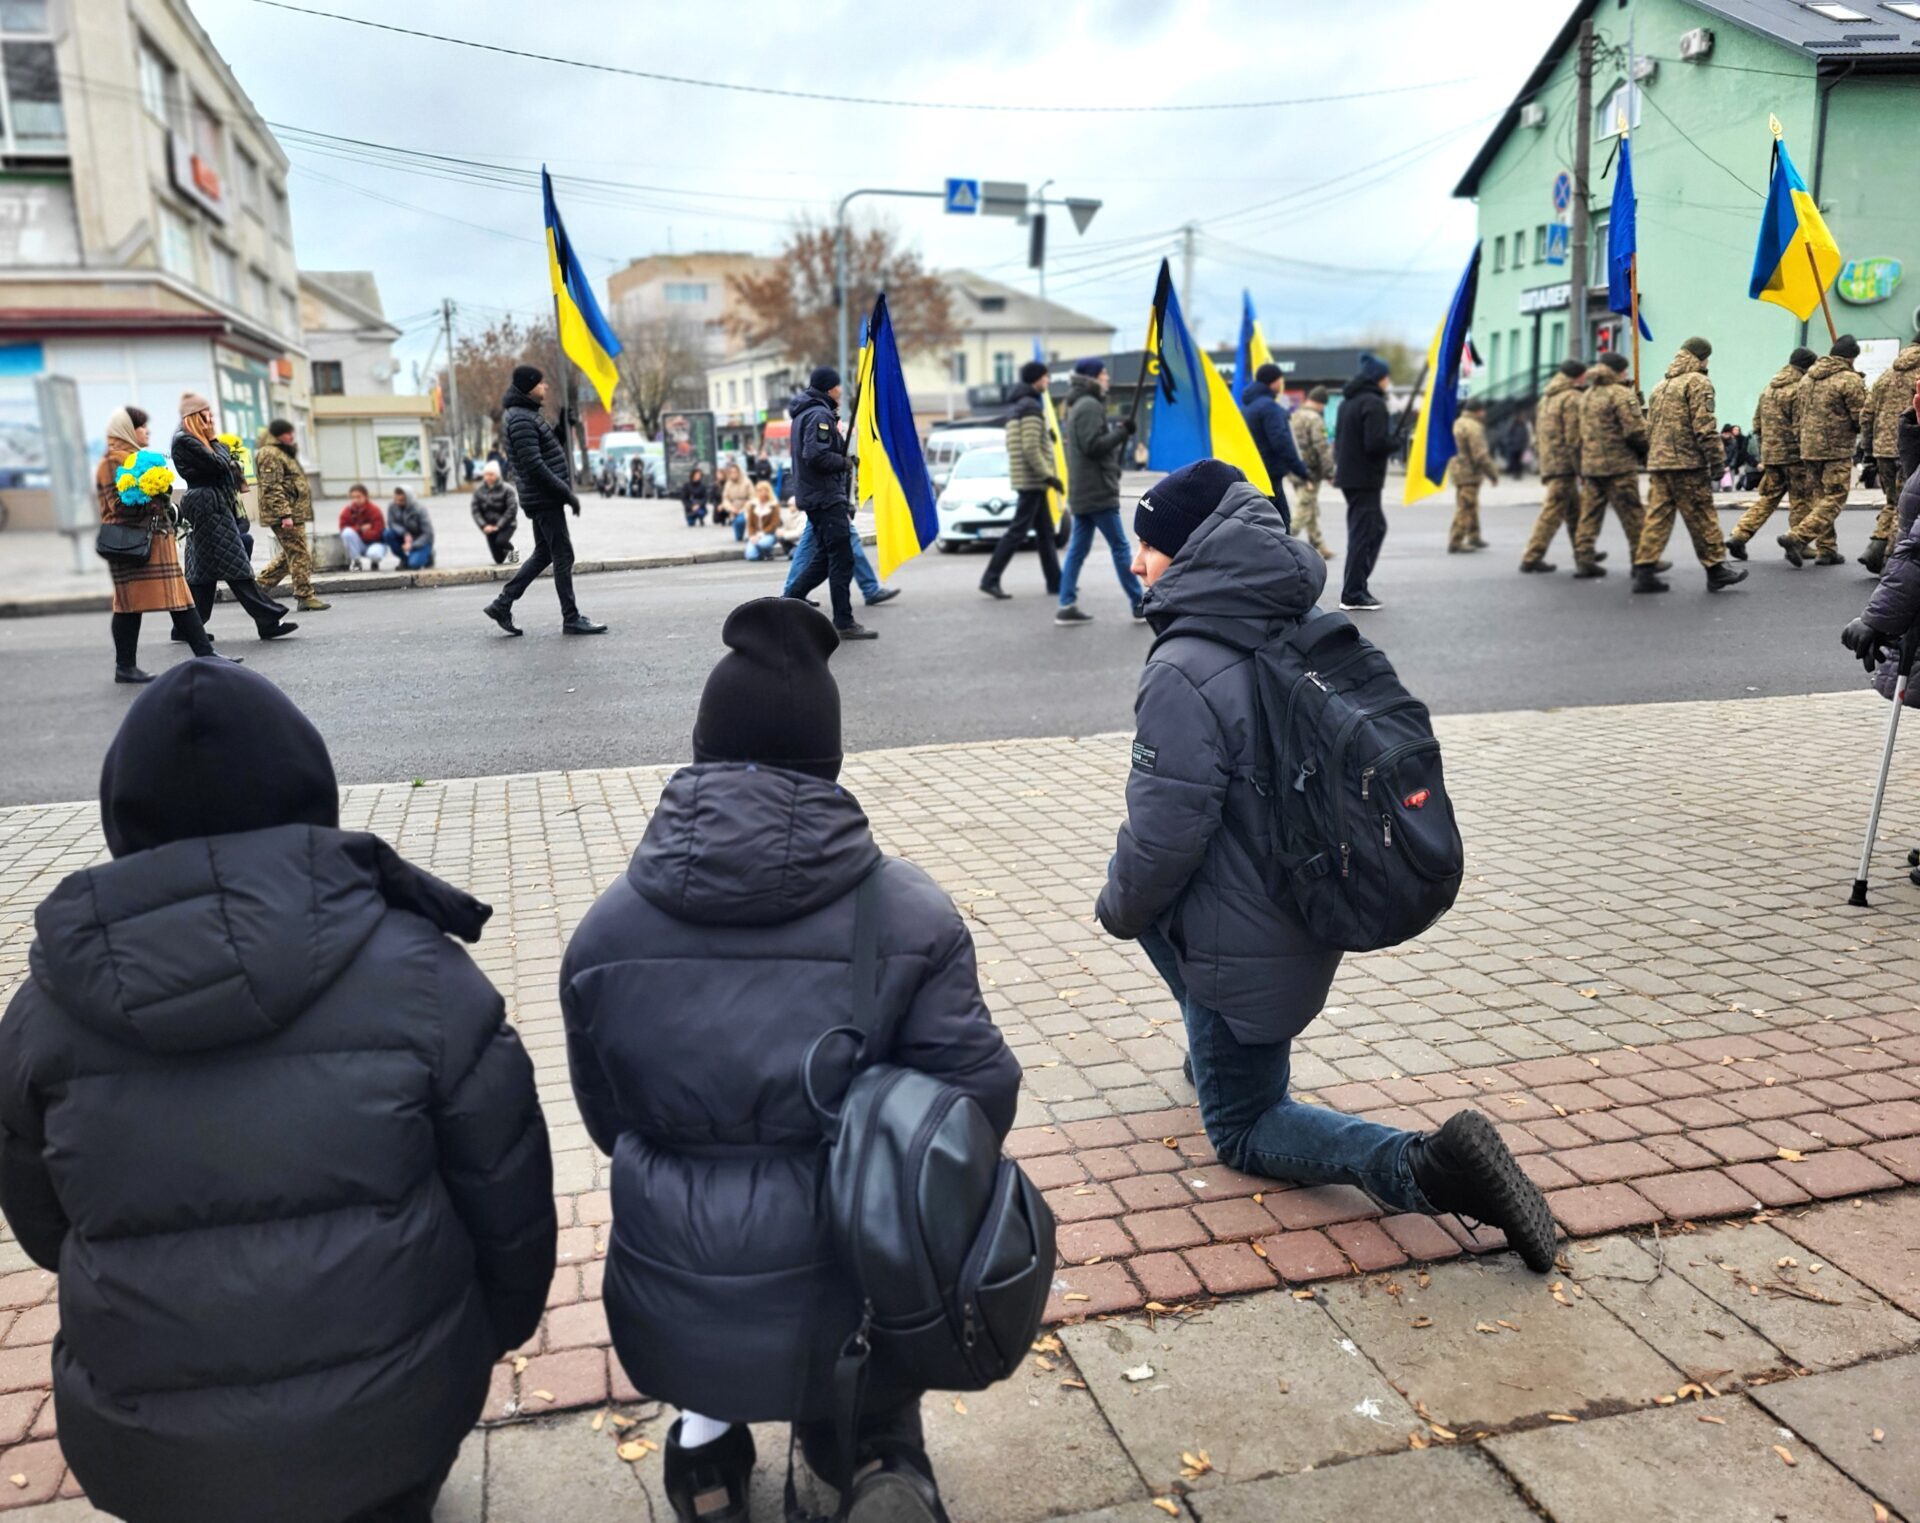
1651 982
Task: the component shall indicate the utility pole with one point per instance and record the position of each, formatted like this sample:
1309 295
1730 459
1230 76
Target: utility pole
1038 250
1582 163
457 469
1186 272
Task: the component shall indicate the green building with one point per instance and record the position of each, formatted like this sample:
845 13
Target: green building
1701 81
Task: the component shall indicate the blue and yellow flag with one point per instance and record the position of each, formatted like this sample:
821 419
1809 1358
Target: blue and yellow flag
585 337
1796 258
1194 415
1253 351
892 466
1433 448
1056 501
1623 239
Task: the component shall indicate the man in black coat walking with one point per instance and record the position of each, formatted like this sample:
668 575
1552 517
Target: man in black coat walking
546 490
1272 430
820 492
301 1200
1362 445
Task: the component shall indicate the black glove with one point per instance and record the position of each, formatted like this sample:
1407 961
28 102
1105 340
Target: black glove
1127 426
1866 642
1055 484
574 503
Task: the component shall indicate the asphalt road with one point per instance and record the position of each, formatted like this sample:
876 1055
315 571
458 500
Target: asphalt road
419 684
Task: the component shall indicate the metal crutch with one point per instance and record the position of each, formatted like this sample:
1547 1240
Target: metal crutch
1905 670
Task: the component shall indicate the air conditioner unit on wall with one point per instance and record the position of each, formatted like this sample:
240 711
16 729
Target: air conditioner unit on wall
1533 114
1696 44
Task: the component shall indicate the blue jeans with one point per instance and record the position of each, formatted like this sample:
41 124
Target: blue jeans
1107 524
1257 1128
803 557
416 559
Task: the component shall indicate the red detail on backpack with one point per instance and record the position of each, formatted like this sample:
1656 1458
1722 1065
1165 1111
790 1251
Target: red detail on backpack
1417 800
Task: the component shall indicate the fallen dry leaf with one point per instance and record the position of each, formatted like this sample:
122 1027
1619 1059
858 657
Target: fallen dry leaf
1785 1457
1071 1384
1509 1326
1561 1417
1043 1363
1074 1295
1486 1327
18 1479
1419 1441
1421 1322
1708 1417
1259 1196
1440 1432
1194 1465
636 1449
959 1406
1259 1252
1167 1505
599 1421
621 1424
544 1395
1300 1295
1047 1345
1590 994
520 1365
1792 1155
1879 1435
1881 1515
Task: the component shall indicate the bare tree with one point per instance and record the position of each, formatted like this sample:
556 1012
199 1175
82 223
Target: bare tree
792 305
484 364
662 364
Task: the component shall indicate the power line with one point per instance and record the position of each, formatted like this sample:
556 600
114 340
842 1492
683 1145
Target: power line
1648 98
856 100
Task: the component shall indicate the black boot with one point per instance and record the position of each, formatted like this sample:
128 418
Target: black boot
1737 548
1645 579
502 614
1587 570
1875 559
1720 576
131 674
1465 1168
1831 558
1796 551
580 624
1538 566
709 1484
898 1489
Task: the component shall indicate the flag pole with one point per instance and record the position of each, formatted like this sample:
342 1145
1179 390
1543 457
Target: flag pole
1833 333
1140 384
1633 289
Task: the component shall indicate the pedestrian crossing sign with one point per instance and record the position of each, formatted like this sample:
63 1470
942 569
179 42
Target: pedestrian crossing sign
963 197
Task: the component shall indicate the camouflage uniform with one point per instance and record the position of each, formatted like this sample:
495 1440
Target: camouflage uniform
1557 439
1832 406
1613 445
1472 464
1776 420
286 494
1310 438
1683 448
1891 397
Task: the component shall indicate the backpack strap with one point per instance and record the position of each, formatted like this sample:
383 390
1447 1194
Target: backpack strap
866 1027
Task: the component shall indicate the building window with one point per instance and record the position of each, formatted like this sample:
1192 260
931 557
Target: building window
1621 104
289 314
328 380
246 174
30 113
204 133
226 273
1003 369
1540 244
682 293
279 219
176 244
1556 342
159 83
1493 358
959 367
259 295
993 304
1519 247
1499 253
733 394
1514 363
1598 239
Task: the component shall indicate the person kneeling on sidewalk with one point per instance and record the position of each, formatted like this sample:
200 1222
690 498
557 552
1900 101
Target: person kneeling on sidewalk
269 1124
1187 879
691 993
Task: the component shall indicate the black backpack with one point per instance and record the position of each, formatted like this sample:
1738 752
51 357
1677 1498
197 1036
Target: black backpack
949 1242
1364 841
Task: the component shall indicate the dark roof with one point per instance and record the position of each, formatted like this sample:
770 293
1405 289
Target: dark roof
1883 40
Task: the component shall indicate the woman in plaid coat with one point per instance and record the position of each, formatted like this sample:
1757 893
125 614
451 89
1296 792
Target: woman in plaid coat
214 551
152 586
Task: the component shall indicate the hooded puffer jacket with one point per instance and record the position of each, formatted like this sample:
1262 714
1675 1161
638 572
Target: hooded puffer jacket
269 1125
691 993
1895 606
1892 399
1272 428
1183 861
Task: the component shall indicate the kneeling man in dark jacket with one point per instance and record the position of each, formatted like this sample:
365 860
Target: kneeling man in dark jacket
691 993
271 1127
1223 576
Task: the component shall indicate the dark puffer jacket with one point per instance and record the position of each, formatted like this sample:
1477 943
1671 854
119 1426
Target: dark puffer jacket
1362 437
1182 862
215 551
691 992
1272 428
270 1127
1894 608
539 460
819 453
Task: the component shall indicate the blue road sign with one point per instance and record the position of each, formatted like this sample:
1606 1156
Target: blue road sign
1562 191
1556 243
963 197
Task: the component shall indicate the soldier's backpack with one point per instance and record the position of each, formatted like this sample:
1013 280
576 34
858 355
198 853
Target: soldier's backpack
1364 842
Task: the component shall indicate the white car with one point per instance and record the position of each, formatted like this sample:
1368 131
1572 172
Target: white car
946 445
977 503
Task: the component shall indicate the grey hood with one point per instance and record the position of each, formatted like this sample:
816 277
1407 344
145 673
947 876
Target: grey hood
1239 574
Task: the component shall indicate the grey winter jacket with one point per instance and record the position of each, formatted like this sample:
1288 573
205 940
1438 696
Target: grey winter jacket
691 992
409 517
1095 448
1188 858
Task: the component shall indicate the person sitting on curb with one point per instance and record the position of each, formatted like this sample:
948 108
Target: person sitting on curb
690 993
363 532
693 497
1188 883
270 1126
409 531
762 533
496 510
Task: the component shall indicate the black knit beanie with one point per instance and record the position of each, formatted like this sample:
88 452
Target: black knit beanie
1699 348
1179 502
771 699
1802 359
1615 361
824 378
1318 394
1846 347
1267 374
1032 372
1572 369
526 377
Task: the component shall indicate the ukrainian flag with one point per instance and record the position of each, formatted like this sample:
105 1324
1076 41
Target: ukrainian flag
1194 415
1433 449
585 337
892 468
1253 351
1056 501
1796 259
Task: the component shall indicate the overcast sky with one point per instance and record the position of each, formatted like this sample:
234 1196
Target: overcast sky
1288 200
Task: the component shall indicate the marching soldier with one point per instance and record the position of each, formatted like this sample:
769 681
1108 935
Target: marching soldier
286 511
1472 464
1613 447
1310 439
1557 437
1890 400
1683 451
1832 406
1776 419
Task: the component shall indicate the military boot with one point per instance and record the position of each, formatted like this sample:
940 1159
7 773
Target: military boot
1465 1168
1737 548
1796 549
1646 580
1720 575
1587 570
1875 559
1831 558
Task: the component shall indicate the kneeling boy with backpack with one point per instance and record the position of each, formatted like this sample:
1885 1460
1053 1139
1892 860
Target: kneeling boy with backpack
1285 804
777 1033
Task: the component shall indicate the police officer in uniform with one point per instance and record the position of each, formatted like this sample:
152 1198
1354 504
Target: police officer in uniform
1683 451
820 490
